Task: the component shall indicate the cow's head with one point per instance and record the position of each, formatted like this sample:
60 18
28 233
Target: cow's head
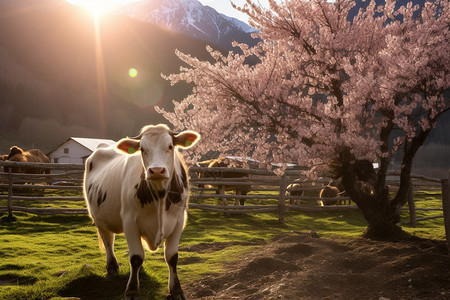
157 146
14 150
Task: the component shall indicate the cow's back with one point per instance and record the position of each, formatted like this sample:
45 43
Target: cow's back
36 155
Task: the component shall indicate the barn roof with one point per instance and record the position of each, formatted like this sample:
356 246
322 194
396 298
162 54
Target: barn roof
88 143
92 144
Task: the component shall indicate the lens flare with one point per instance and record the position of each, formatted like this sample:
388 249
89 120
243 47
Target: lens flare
101 76
132 72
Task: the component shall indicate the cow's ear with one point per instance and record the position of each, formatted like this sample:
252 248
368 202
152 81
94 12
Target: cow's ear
186 139
129 146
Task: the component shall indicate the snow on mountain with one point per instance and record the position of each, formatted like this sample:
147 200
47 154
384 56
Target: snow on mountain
191 18
243 26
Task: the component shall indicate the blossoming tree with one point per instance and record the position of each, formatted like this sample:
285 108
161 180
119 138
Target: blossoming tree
327 92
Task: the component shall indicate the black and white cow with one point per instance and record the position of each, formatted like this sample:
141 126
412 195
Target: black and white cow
140 187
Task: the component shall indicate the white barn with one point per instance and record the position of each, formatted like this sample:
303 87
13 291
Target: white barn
76 150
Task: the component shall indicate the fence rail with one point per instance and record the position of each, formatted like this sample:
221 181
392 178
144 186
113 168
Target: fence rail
33 187
269 193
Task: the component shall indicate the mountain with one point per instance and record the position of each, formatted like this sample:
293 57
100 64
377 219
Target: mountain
191 18
53 60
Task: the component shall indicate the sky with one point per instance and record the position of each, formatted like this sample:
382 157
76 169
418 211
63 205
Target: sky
224 7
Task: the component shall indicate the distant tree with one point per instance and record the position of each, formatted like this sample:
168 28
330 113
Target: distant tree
328 93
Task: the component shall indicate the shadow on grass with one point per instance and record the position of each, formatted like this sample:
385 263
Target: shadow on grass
14 279
95 287
27 223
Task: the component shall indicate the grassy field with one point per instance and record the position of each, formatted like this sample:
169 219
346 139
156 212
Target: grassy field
51 257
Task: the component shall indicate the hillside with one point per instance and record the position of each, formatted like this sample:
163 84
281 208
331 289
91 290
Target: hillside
48 76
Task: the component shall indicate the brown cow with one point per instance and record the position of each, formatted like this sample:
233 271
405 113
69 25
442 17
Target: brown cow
20 155
222 163
295 189
342 193
329 191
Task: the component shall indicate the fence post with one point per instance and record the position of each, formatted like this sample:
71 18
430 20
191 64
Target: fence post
446 209
282 199
10 182
411 205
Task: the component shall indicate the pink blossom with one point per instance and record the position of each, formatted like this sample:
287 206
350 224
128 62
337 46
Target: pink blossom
373 73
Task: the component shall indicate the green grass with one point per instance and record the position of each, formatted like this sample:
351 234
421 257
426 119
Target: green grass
45 257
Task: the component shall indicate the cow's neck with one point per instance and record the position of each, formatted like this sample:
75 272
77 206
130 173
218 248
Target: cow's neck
173 194
148 194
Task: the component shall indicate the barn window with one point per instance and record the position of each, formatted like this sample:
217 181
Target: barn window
66 150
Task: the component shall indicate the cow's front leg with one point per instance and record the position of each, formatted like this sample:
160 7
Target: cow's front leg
137 255
171 256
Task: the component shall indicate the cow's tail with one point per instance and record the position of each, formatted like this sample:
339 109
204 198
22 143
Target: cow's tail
101 246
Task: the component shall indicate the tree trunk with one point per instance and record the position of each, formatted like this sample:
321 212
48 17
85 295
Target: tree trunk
382 217
368 190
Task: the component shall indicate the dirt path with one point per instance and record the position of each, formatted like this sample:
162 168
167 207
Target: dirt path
299 266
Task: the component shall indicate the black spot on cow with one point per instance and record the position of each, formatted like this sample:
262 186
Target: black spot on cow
177 187
101 198
90 192
146 194
183 176
173 265
90 167
161 194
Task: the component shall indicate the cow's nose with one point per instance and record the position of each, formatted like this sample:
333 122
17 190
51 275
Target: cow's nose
157 172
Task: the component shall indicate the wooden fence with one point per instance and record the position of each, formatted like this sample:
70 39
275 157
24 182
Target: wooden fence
423 184
268 191
21 187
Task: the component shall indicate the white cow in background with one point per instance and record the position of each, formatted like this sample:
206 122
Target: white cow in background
140 187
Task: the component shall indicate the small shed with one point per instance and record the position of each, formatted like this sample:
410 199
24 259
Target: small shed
76 150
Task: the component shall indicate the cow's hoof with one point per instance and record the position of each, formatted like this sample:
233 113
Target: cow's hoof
179 296
112 271
132 297
112 268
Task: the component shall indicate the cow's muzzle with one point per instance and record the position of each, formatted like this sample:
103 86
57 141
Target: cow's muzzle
157 173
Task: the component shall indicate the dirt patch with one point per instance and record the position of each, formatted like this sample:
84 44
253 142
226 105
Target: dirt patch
213 247
299 266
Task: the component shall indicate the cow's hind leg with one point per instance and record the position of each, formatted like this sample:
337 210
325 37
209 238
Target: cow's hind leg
107 237
171 256
236 201
242 200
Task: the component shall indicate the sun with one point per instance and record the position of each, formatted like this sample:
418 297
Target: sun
99 7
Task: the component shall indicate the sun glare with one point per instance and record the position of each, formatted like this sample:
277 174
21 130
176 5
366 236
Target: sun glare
95 7
98 8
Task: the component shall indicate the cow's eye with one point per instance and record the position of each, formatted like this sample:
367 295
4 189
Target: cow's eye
170 147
